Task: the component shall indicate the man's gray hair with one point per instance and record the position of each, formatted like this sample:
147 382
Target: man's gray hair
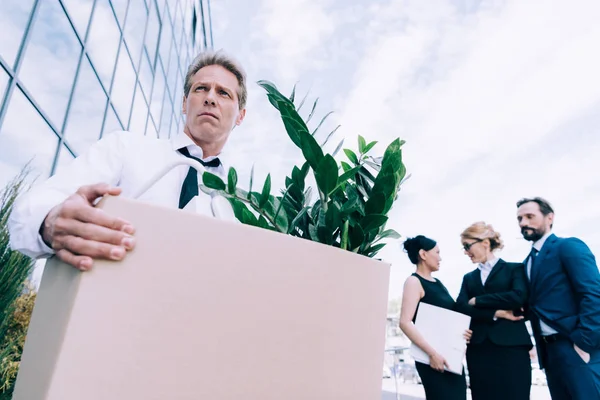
220 58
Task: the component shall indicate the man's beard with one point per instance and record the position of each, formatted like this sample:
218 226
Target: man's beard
532 234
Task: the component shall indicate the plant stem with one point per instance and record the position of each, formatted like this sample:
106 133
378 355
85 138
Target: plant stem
344 239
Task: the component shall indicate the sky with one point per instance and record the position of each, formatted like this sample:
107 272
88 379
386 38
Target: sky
496 100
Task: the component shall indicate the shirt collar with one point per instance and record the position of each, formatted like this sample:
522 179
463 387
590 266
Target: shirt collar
182 140
540 243
489 264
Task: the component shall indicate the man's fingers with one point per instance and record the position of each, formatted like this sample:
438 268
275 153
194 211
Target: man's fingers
89 248
94 232
92 192
97 216
82 263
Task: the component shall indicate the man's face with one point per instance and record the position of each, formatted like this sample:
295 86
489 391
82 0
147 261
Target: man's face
212 108
532 222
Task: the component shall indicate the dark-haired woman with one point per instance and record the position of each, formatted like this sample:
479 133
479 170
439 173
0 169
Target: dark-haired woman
421 286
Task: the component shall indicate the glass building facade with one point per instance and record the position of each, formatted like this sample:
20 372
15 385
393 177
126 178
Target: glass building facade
72 70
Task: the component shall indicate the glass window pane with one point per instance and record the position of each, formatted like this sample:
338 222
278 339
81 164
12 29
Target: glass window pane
79 12
152 32
151 129
3 82
166 36
13 20
177 23
112 123
172 70
64 159
48 70
145 75
25 138
174 126
120 7
87 110
165 119
122 92
103 41
139 113
134 29
158 93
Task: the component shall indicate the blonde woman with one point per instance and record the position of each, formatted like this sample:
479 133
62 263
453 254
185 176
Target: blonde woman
494 294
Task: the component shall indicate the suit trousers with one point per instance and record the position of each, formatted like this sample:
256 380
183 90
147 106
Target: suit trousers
441 385
499 372
569 376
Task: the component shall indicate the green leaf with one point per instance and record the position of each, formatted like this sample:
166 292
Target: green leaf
351 156
297 219
273 91
369 147
313 233
321 123
329 136
232 180
356 236
326 175
372 250
251 181
212 181
242 213
302 102
294 126
389 233
266 191
263 223
362 144
311 150
338 148
313 110
345 166
375 204
293 95
372 222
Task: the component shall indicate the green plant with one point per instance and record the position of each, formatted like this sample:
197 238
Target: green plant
354 197
14 339
16 301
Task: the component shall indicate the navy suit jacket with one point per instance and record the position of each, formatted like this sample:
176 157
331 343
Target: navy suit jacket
565 291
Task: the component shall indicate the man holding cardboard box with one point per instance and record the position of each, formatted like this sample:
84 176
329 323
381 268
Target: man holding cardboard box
59 217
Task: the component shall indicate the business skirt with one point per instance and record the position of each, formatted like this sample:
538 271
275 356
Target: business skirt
442 385
499 372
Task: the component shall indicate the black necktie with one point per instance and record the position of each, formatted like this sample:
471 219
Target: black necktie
532 255
189 189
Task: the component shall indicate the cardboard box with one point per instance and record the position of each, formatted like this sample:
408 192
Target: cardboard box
208 309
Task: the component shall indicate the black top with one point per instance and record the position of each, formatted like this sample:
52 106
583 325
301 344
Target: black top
436 294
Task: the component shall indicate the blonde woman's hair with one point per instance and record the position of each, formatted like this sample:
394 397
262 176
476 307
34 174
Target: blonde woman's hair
481 231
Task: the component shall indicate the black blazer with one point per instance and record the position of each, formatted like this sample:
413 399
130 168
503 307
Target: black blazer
505 289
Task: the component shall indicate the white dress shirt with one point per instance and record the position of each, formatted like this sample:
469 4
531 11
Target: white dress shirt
486 267
546 330
124 159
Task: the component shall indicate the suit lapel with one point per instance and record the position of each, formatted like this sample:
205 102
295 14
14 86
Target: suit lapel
539 259
476 283
499 264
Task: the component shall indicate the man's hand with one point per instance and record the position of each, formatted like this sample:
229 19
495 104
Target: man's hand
508 314
78 232
584 356
472 301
